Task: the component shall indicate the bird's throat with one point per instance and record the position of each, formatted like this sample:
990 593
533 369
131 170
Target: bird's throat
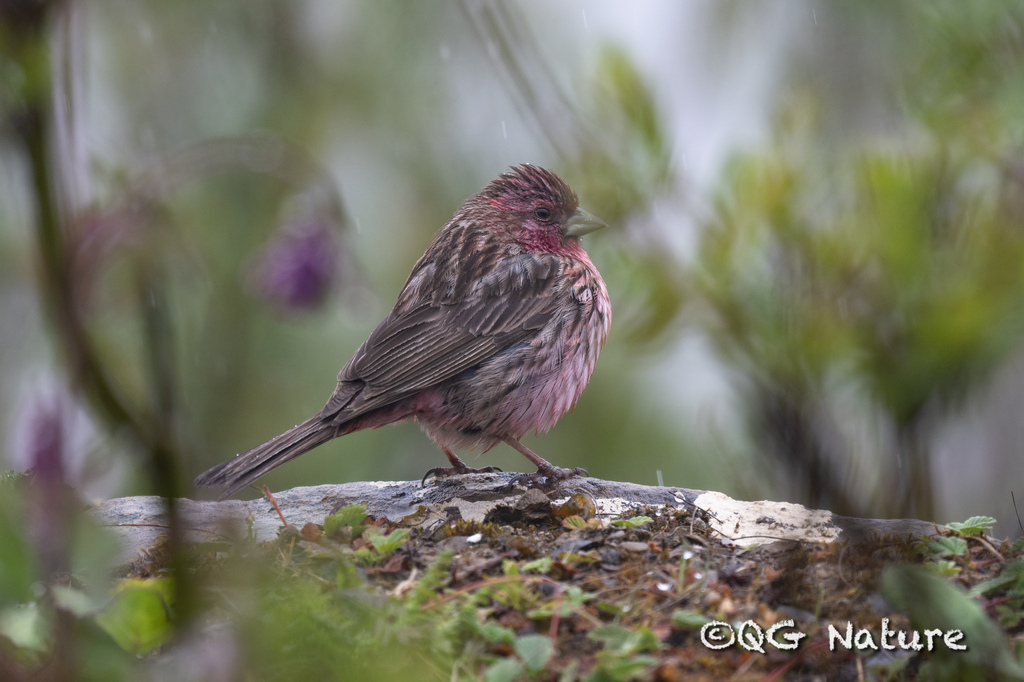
545 241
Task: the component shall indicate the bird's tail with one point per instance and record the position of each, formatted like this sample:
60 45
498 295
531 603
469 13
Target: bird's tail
243 469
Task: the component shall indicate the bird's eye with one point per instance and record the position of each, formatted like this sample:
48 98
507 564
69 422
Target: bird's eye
542 212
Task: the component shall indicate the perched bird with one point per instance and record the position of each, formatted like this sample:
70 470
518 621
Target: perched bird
495 334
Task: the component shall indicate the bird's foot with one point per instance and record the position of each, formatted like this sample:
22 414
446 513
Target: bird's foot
442 472
546 476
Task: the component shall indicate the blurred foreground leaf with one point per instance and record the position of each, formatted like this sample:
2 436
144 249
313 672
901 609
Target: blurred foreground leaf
139 617
931 603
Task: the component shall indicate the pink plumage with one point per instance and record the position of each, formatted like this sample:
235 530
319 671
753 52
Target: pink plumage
495 334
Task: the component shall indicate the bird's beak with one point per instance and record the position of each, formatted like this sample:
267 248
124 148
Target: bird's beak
581 223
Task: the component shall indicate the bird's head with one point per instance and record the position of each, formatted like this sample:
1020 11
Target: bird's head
540 210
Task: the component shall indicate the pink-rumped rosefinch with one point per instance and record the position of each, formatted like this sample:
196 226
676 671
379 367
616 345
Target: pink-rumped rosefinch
495 334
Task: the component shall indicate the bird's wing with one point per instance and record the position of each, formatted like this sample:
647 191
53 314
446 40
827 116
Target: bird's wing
420 345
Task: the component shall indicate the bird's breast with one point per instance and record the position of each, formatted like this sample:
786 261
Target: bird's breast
530 385
558 363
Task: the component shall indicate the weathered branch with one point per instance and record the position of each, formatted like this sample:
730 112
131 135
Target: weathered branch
139 521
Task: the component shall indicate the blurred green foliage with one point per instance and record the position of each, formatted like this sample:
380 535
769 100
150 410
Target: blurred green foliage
933 603
878 283
139 616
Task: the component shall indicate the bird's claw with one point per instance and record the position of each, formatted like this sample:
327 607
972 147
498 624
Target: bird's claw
546 476
442 472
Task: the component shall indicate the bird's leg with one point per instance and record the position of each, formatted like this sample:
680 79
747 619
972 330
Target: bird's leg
457 467
544 467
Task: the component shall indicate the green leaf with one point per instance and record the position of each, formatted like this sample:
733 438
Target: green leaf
644 639
497 634
17 560
572 599
943 567
931 602
139 617
542 565
610 608
534 651
991 584
946 545
25 627
577 597
573 557
613 636
1008 616
386 544
615 668
620 639
689 620
634 522
505 670
574 522
1011 575
976 525
352 516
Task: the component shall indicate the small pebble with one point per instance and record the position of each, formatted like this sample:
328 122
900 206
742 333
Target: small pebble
634 546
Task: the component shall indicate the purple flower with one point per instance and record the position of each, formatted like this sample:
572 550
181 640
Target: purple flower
54 437
42 438
297 269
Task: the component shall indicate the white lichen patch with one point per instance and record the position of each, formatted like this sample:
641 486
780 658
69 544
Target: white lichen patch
613 506
747 524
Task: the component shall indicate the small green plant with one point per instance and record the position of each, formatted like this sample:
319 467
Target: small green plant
351 517
686 619
946 545
976 525
634 522
383 545
532 653
139 616
570 601
624 656
933 602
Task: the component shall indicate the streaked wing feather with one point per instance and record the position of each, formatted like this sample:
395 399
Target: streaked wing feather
414 349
